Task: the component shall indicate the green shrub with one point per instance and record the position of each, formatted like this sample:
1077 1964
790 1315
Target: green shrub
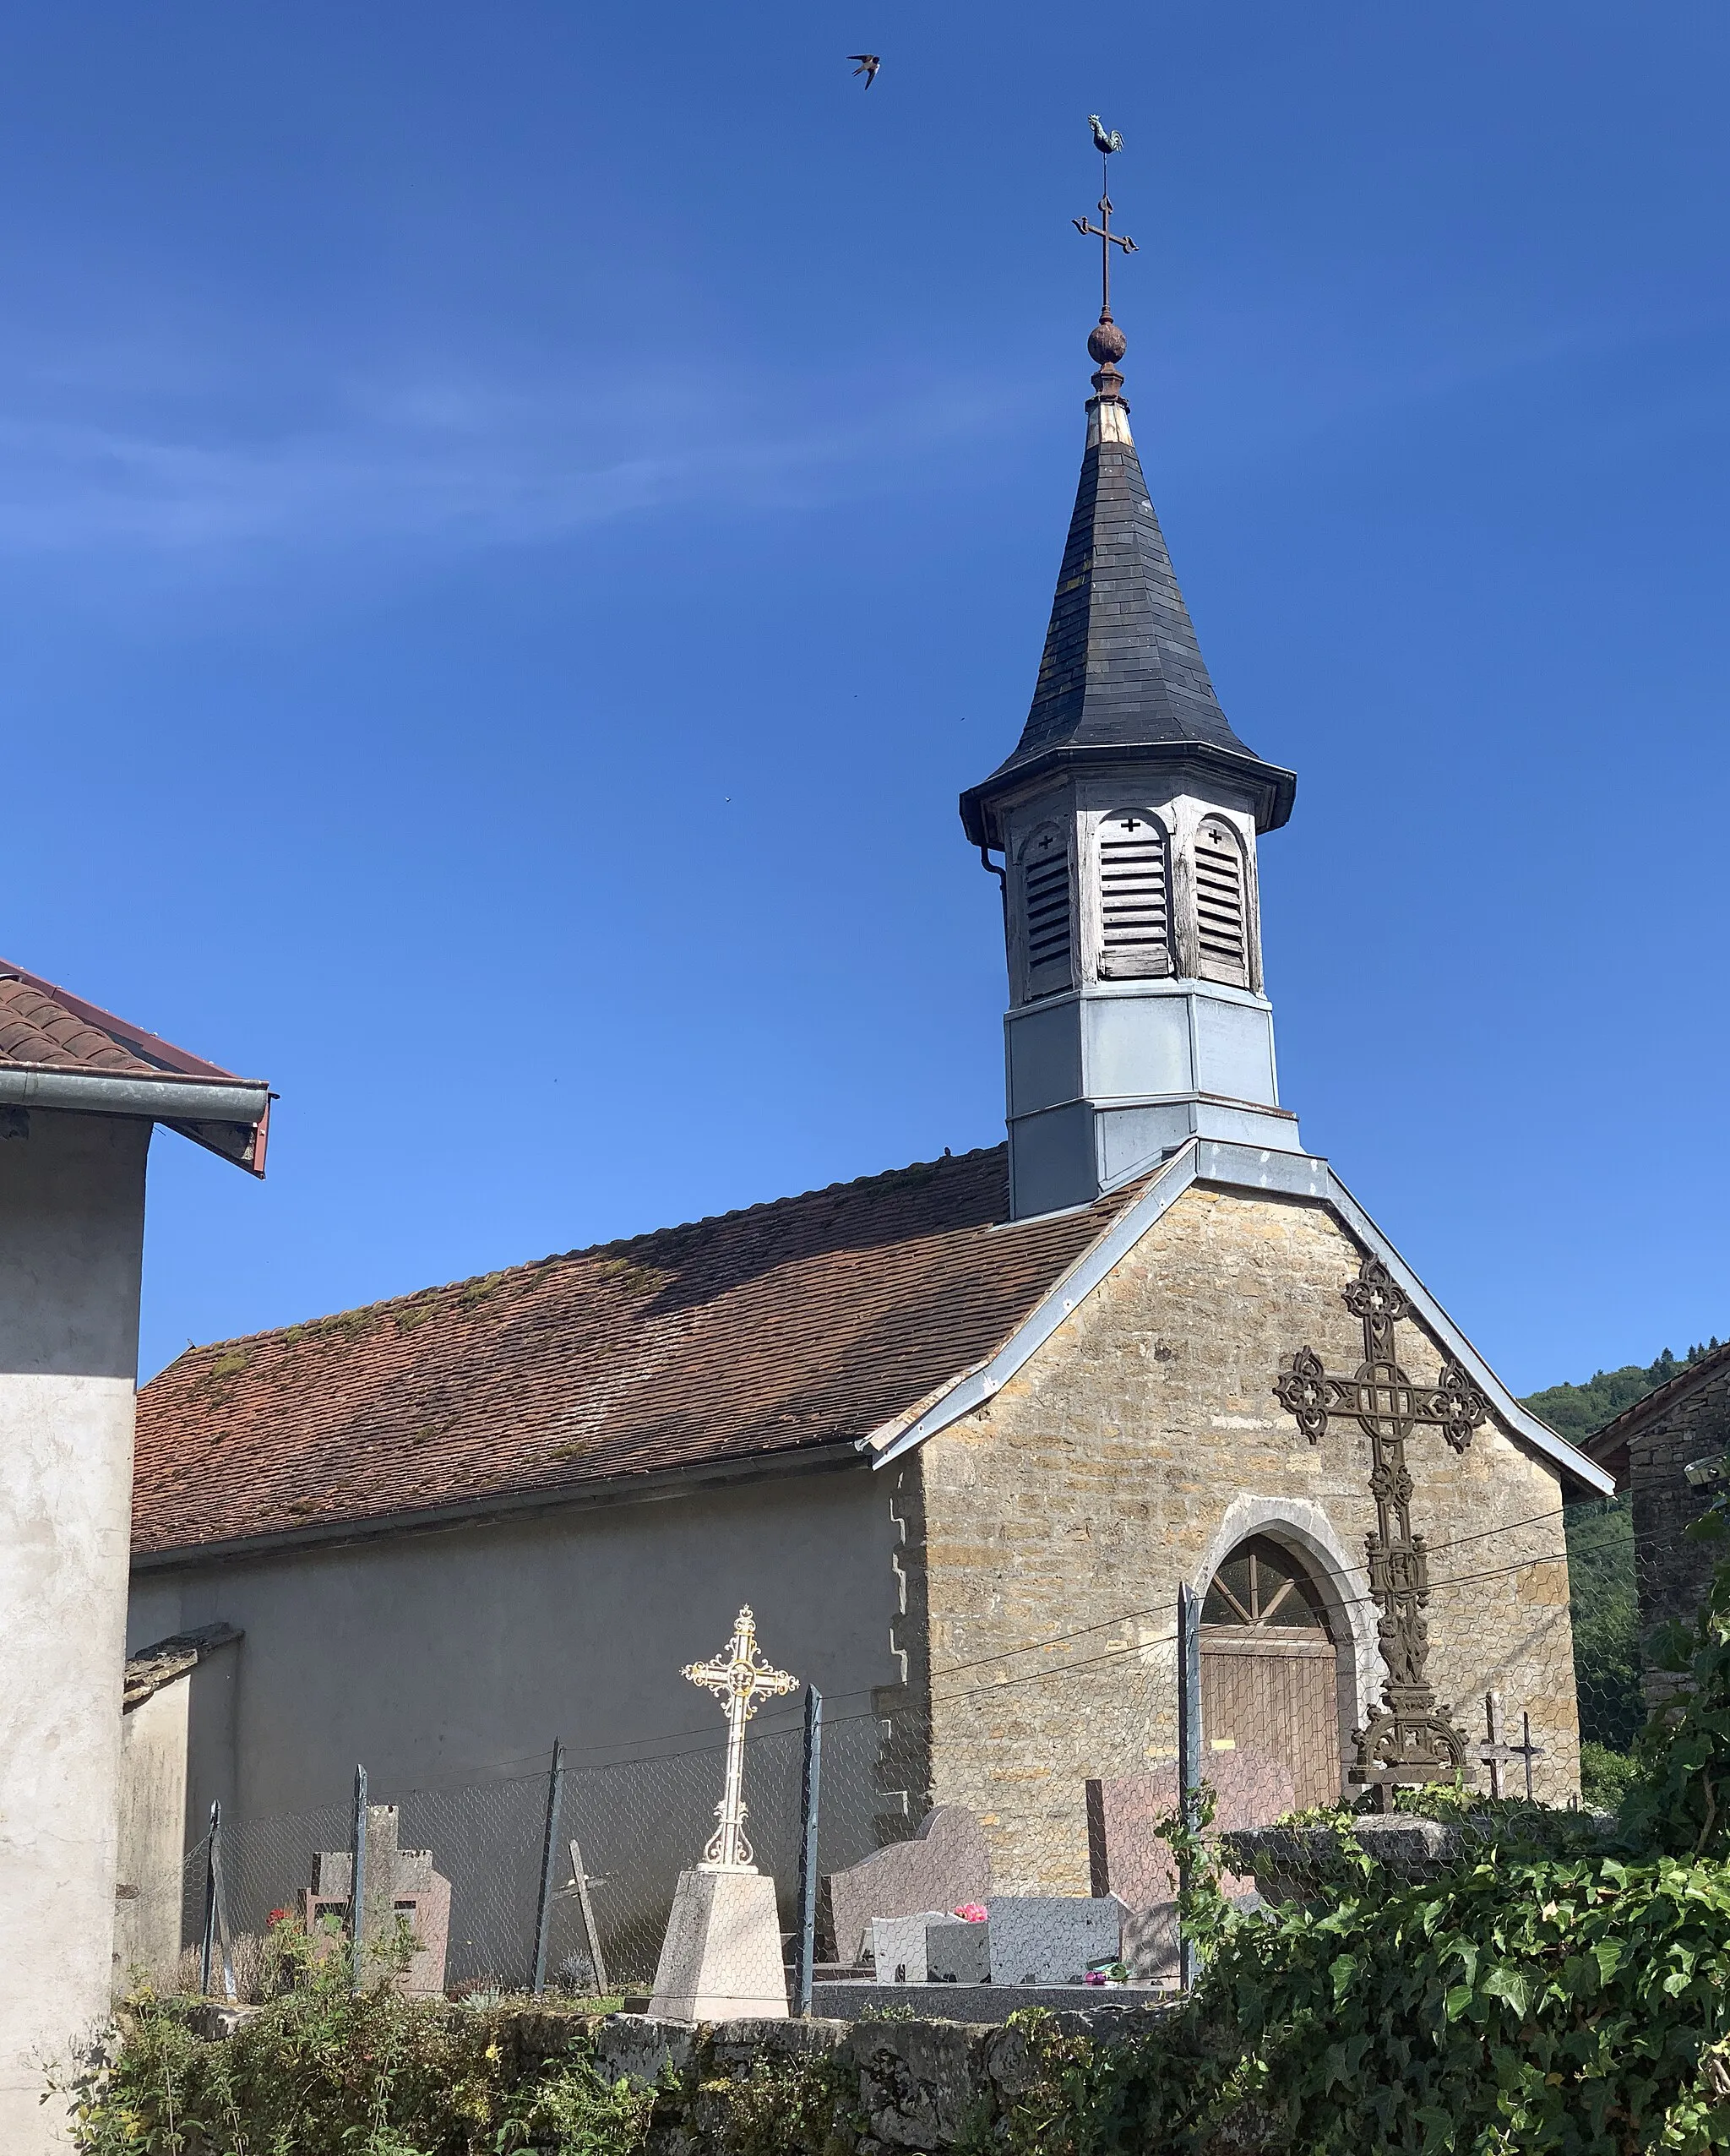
321 2071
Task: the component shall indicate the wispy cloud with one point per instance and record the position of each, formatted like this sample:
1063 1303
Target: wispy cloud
427 457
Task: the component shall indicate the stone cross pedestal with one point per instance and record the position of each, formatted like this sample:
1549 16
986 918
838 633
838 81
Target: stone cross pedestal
721 1958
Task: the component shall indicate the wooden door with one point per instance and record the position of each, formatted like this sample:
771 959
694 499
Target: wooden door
1269 1671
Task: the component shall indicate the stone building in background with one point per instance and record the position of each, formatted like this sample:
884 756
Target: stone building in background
958 1433
1671 1452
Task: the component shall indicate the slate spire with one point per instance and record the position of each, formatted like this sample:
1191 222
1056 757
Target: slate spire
1122 678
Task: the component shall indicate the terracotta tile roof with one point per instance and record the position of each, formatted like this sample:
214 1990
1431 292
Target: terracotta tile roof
787 1326
36 1028
58 1042
52 1028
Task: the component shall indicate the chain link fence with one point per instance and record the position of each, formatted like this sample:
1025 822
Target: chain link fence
1280 1697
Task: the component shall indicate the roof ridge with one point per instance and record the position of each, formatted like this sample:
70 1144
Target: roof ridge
617 1244
1660 1396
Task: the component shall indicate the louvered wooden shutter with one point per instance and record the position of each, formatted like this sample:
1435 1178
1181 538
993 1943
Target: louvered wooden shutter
1046 888
1134 898
1222 926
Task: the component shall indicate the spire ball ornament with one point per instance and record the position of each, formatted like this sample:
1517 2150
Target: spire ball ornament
1106 344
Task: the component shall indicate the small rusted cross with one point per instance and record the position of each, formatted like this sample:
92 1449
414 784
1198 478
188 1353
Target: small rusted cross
1499 1753
739 1677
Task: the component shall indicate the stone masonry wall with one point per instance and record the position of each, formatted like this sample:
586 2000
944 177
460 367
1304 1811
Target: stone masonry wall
1140 1443
1674 1572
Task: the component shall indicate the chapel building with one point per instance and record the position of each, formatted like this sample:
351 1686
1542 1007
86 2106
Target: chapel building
959 1433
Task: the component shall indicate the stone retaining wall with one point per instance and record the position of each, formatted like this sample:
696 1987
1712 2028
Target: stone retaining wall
916 2085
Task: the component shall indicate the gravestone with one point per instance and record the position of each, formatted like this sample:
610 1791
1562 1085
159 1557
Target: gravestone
1126 1856
1051 1938
958 1952
898 1945
945 1865
399 1887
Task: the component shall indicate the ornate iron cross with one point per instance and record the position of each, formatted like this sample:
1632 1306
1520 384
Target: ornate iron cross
739 1677
1410 1737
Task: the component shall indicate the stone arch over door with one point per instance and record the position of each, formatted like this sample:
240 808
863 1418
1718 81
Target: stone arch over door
1289 1652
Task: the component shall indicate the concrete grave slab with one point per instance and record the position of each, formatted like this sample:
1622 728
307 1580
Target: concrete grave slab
1052 1939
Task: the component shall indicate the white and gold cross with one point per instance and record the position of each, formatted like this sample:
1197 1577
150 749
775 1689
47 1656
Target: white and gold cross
738 1677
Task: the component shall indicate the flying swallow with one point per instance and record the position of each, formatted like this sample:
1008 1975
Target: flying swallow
869 62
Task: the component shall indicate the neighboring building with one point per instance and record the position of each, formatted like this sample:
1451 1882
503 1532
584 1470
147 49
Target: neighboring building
80 1092
958 1433
1649 1448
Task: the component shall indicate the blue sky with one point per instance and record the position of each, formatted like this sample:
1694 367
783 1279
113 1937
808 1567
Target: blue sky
516 523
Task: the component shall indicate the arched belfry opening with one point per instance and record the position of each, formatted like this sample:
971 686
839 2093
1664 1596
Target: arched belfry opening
1270 1667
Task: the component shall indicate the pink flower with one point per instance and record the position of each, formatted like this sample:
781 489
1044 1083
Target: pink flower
970 1913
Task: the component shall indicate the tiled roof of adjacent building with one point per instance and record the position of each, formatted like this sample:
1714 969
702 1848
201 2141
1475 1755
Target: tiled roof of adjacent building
768 1332
57 1051
1609 1446
50 1028
38 1026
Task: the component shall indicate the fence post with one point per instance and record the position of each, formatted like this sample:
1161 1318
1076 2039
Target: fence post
543 1907
1188 1743
209 1940
357 1880
809 1801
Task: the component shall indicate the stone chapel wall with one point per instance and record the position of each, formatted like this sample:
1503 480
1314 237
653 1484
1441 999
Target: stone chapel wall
1136 1446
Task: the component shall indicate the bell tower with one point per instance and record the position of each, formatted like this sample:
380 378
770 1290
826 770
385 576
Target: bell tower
1127 818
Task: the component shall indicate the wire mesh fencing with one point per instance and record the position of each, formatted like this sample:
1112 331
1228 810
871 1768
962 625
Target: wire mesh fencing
1538 1639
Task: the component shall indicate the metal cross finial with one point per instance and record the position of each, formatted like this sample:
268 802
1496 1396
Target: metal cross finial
1102 230
738 1677
1411 1738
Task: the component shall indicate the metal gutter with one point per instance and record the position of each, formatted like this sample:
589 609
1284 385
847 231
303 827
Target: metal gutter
478 1511
102 1092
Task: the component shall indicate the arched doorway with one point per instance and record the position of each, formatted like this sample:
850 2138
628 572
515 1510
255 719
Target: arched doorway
1269 1682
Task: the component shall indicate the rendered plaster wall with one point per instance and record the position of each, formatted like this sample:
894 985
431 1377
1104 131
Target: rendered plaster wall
1132 1452
152 1823
445 1659
72 1200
